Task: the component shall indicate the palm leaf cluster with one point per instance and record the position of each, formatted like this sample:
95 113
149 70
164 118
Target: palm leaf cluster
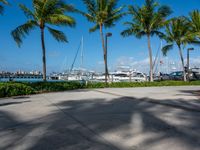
146 20
45 13
178 31
195 22
102 13
1 6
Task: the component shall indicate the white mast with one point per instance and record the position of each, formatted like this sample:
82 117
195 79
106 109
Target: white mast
81 66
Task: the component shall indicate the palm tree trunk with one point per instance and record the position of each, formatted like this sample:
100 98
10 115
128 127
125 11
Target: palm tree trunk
43 54
182 61
150 58
104 53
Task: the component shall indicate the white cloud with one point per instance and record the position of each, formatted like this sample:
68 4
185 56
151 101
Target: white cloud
100 62
141 65
54 54
168 65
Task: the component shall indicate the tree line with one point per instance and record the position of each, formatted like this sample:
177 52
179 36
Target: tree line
150 19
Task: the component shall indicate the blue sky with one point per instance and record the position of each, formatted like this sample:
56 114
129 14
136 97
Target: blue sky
122 51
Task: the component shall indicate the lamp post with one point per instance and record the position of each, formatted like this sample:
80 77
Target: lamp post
106 52
188 60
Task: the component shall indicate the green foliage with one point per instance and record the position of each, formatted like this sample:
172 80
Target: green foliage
178 31
55 86
45 14
147 19
195 22
102 13
1 6
8 89
142 84
15 89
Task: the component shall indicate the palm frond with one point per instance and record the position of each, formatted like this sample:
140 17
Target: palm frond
148 19
1 9
127 32
165 11
1 6
166 48
4 2
195 21
91 6
158 33
27 12
58 19
23 30
94 28
58 35
103 12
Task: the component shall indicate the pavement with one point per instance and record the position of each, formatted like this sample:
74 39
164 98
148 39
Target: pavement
156 118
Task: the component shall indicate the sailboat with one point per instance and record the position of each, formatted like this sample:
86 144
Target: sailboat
76 74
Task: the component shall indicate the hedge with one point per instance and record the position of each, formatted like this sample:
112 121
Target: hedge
8 89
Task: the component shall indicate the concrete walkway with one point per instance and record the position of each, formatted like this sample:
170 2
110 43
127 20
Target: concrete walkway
163 118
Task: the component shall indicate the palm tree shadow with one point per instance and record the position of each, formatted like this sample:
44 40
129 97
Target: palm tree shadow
113 124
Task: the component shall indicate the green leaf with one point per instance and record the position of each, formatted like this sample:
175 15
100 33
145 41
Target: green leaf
23 30
58 35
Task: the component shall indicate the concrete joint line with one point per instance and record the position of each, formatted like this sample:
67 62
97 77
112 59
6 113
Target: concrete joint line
152 101
109 144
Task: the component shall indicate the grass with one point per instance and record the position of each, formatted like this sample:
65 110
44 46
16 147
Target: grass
8 89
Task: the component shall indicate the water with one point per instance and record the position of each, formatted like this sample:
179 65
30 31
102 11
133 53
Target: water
27 80
34 80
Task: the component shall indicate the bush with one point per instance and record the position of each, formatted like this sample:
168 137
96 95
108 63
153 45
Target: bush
142 84
8 89
55 86
15 89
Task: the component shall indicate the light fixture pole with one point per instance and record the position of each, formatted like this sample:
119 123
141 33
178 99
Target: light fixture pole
106 52
188 61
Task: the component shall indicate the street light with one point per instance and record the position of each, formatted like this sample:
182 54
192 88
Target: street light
107 35
106 49
188 57
188 60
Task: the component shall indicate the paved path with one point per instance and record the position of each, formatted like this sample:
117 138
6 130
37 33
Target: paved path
166 118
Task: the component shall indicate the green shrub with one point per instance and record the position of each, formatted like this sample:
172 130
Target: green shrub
8 89
15 89
142 84
55 86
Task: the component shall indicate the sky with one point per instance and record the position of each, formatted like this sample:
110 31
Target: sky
121 51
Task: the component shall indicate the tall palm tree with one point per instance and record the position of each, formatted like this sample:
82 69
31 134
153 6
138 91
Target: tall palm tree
1 6
147 21
44 14
178 32
103 13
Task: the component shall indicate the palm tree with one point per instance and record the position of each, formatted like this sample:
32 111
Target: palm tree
1 7
103 13
178 32
147 21
45 13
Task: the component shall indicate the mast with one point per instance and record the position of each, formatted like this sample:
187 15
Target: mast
81 66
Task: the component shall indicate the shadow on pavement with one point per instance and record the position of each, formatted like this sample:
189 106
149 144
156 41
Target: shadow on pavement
101 124
13 103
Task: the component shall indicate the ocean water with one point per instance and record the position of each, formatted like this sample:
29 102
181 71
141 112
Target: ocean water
34 80
27 80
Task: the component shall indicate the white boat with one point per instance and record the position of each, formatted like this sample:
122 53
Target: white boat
121 76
